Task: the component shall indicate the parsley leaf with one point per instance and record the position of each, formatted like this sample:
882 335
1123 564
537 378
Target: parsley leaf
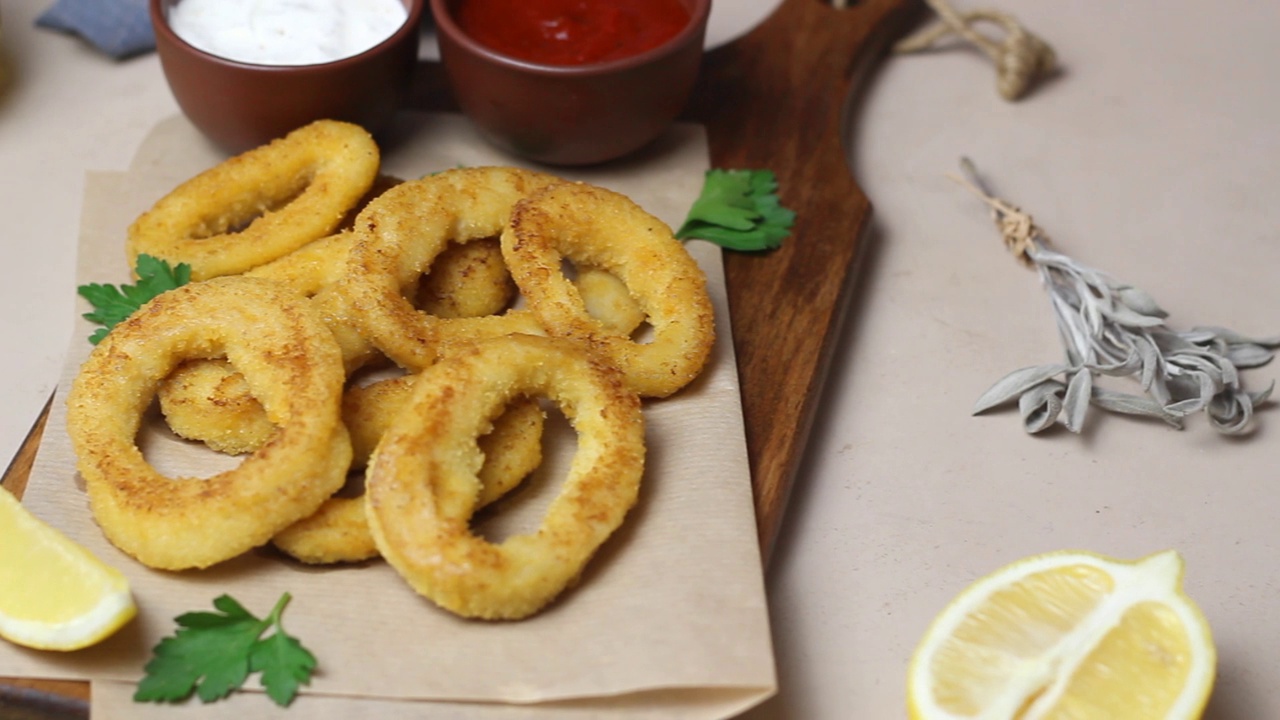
113 304
212 654
284 665
739 210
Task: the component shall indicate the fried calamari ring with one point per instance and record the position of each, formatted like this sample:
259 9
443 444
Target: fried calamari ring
467 280
595 227
368 409
289 359
403 231
607 299
311 267
512 449
339 531
381 184
208 401
321 262
421 487
284 195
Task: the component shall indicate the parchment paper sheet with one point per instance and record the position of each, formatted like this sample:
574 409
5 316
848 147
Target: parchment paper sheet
670 618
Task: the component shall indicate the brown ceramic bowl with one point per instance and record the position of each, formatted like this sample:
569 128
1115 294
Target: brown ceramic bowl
241 105
571 115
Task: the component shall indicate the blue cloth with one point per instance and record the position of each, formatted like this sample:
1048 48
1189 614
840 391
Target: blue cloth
119 28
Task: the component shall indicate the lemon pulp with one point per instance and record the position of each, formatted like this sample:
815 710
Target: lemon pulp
1067 636
54 594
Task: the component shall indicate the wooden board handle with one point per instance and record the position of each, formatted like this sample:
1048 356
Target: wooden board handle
776 99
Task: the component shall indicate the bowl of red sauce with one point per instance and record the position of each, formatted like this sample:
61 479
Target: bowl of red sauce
571 82
248 71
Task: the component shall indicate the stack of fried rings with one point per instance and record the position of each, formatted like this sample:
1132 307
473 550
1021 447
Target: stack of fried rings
208 401
402 231
387 249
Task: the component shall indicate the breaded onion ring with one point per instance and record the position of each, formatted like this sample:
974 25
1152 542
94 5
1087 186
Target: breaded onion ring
262 204
291 363
339 531
595 227
421 487
403 231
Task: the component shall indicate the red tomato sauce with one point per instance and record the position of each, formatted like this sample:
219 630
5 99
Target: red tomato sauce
571 32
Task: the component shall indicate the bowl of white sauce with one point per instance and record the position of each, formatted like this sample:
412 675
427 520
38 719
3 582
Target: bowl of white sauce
248 71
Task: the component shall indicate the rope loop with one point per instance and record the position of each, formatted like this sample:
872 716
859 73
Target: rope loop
1021 58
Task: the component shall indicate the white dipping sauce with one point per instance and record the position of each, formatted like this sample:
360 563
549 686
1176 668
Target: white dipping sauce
286 32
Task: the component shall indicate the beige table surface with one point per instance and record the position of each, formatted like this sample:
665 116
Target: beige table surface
1155 155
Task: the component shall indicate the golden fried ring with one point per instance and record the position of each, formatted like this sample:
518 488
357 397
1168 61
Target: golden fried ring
208 401
368 409
321 262
284 195
291 363
607 299
339 531
596 227
467 280
381 184
421 487
403 231
311 267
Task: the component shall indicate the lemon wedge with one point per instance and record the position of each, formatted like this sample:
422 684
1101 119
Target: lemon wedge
1067 635
54 594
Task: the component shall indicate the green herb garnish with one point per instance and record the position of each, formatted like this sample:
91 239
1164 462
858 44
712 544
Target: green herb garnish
112 304
739 210
214 653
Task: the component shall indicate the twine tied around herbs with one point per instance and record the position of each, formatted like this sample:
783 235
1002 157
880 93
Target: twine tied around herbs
1114 329
1022 58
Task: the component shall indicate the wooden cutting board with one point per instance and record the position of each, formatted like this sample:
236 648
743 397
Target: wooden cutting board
775 98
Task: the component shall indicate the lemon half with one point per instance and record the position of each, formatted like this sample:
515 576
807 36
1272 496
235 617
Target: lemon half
54 594
1067 635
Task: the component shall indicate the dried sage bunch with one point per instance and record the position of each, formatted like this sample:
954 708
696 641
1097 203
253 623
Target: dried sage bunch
1110 328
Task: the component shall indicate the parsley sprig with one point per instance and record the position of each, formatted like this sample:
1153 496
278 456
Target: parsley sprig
112 304
212 654
739 210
